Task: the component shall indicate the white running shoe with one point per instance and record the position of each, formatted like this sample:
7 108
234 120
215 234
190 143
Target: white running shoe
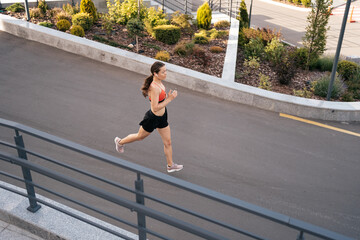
119 147
174 168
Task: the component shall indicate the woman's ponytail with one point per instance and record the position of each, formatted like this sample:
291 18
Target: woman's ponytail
146 85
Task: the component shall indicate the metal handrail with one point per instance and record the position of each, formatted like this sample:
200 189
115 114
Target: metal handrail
138 206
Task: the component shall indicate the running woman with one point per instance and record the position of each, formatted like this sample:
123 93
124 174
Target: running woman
156 117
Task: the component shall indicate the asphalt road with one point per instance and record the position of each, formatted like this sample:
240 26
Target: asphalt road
300 170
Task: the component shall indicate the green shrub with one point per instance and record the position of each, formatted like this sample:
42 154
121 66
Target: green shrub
222 24
301 57
63 15
255 48
216 49
77 31
242 40
156 17
347 97
42 6
135 27
215 34
163 56
325 63
46 24
71 10
347 69
285 70
252 63
306 3
264 82
35 13
305 93
168 34
16 7
63 25
243 16
54 11
275 51
321 87
203 16
129 10
87 6
200 38
82 19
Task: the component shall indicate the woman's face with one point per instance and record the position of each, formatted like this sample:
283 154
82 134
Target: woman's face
162 73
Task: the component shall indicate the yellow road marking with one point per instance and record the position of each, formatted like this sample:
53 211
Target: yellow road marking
319 124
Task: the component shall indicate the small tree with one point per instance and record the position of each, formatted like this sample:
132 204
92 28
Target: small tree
315 36
204 16
135 28
243 16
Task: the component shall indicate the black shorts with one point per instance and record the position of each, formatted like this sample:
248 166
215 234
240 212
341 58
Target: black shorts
151 121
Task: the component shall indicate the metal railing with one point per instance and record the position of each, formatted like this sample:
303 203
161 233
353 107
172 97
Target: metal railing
143 212
184 6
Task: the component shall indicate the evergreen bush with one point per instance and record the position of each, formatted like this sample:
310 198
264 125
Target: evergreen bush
71 10
321 87
243 16
325 64
77 31
204 16
216 49
222 24
42 6
82 19
255 48
306 3
200 38
347 69
163 56
46 24
63 25
156 17
35 13
63 15
87 6
168 34
264 82
129 10
16 7
275 51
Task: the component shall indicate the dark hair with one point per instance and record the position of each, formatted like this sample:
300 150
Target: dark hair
155 68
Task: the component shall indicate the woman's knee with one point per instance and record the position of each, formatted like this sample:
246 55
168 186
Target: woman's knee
167 143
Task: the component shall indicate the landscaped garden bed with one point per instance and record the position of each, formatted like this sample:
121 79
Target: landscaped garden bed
263 60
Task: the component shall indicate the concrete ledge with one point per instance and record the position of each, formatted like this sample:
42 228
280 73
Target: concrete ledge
51 224
224 87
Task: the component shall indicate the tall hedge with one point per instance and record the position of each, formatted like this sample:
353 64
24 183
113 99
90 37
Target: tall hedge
168 34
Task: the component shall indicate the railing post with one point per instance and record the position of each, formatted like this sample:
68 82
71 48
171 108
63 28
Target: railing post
300 236
139 186
163 8
185 6
26 174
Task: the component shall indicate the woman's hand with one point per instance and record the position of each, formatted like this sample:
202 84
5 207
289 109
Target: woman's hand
172 94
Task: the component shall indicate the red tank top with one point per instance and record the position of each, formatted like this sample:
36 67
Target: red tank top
162 95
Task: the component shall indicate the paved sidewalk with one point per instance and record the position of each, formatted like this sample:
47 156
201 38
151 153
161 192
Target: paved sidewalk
11 232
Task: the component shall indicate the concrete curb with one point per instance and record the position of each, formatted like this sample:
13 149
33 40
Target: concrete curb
49 223
224 87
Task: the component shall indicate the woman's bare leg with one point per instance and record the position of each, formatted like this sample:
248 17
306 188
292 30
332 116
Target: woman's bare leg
140 135
166 138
